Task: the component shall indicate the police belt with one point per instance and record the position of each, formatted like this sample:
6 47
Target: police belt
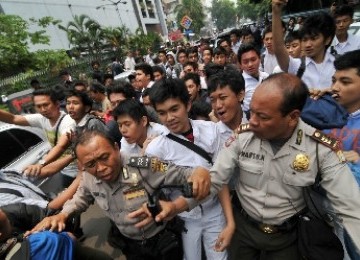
288 225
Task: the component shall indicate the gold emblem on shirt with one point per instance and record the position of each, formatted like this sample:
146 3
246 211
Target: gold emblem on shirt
158 166
134 193
301 162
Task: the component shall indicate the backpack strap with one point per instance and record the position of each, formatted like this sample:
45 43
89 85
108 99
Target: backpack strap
57 130
302 68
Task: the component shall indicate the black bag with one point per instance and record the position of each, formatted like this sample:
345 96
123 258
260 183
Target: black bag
316 239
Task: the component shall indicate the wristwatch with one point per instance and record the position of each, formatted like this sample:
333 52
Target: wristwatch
42 162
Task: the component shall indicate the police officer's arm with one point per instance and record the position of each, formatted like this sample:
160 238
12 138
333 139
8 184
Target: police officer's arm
281 54
13 119
343 192
224 166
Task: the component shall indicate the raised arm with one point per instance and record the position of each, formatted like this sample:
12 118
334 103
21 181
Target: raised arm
281 54
13 119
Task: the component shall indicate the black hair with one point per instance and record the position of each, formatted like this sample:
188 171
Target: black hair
162 51
209 49
146 92
233 79
64 72
146 69
343 10
179 52
97 88
158 68
193 50
246 48
212 69
47 92
219 51
200 108
85 99
131 108
194 77
292 36
224 40
192 64
268 29
122 87
321 23
246 32
349 60
35 83
108 76
169 88
95 62
237 32
294 91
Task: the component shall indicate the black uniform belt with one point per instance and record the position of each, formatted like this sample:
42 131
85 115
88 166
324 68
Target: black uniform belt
286 226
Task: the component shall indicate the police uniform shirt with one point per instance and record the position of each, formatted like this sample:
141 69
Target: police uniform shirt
153 129
317 76
270 187
351 44
250 85
126 194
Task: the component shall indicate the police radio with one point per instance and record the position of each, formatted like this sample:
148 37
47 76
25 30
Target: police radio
154 205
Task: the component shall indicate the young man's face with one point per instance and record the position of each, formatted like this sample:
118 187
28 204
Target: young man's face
193 89
115 99
226 46
346 89
220 59
294 48
314 46
248 39
146 100
194 57
158 76
268 42
182 58
46 107
226 105
174 115
162 57
250 63
170 60
142 79
233 38
189 69
96 96
207 58
100 158
76 108
131 130
342 24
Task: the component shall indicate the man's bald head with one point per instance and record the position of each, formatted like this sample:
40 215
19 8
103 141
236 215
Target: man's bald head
293 91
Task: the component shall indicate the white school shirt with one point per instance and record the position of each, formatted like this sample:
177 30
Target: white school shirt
318 76
351 44
134 149
250 85
270 62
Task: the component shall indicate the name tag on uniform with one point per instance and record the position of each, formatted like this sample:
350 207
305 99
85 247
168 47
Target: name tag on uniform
134 193
139 162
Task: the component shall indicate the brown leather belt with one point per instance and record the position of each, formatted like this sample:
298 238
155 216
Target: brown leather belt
288 225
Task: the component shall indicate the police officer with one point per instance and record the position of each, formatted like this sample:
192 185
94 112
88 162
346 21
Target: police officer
276 154
120 186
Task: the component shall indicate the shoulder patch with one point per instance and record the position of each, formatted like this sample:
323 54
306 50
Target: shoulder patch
242 128
139 162
326 140
229 141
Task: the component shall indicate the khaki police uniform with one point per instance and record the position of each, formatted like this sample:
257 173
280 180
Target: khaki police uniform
139 176
270 186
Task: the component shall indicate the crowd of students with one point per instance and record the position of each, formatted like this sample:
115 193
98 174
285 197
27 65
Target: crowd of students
239 102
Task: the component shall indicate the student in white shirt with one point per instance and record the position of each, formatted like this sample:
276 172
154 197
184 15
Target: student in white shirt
316 35
343 41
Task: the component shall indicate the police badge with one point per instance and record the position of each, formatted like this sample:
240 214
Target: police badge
301 162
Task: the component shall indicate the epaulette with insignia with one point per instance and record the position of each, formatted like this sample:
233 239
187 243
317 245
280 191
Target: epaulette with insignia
139 162
326 140
242 128
158 166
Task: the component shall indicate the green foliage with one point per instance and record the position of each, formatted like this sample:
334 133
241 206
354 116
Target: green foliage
140 41
193 9
251 10
223 13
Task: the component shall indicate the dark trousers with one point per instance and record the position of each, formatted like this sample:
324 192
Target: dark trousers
250 243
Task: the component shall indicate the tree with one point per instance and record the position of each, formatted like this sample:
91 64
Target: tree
252 10
14 43
117 39
141 41
85 34
193 9
223 13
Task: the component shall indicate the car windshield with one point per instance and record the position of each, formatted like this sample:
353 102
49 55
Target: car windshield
14 143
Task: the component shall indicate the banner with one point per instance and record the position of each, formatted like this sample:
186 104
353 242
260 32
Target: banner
186 22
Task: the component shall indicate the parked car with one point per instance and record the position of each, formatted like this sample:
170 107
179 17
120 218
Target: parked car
355 28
